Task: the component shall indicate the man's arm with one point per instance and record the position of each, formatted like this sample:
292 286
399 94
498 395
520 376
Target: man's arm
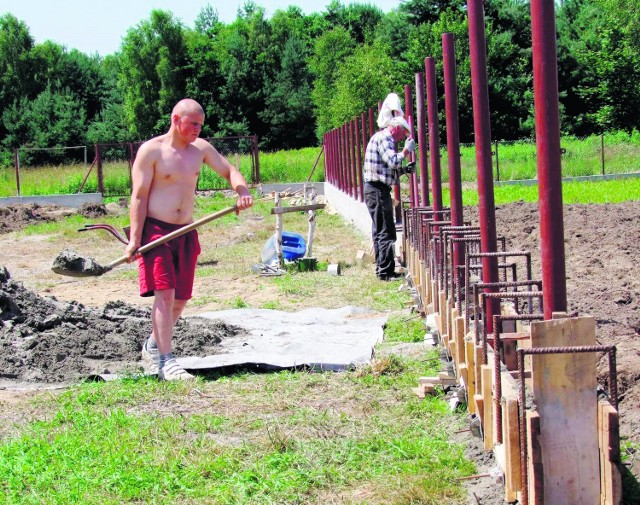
225 169
142 176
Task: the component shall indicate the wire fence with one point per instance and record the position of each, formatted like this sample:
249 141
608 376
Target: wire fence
106 168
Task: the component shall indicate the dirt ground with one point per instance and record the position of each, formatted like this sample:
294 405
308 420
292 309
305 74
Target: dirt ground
36 332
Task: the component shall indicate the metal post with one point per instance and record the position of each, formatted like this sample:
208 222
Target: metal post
602 151
545 87
348 127
99 169
497 163
482 134
16 156
434 134
414 199
453 140
422 140
362 148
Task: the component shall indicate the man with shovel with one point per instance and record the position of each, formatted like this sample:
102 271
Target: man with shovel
165 174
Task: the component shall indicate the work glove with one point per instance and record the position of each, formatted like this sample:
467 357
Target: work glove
410 145
409 168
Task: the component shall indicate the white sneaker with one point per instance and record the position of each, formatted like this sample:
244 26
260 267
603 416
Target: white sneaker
150 358
171 371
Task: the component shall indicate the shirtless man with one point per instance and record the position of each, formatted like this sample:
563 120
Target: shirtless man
165 174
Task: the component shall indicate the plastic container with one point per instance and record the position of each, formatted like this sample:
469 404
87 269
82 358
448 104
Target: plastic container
293 247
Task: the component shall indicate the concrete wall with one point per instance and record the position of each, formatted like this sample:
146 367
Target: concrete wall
76 200
352 210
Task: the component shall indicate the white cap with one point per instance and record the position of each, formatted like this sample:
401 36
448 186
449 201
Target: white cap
390 107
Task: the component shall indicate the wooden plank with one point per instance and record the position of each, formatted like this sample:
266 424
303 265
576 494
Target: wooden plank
444 315
514 336
603 451
471 385
452 327
460 347
535 473
511 437
564 390
612 491
479 404
487 417
298 208
477 360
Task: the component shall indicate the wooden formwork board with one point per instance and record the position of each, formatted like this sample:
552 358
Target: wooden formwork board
470 385
609 441
564 390
460 357
535 473
487 413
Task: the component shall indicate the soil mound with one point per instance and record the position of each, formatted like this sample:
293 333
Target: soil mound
16 217
93 210
45 340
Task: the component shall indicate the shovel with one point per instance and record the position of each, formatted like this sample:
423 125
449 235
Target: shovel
73 265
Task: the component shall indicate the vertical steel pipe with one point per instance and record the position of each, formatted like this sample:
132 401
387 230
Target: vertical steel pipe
434 133
414 199
453 139
545 88
343 157
359 174
484 163
372 126
349 144
422 141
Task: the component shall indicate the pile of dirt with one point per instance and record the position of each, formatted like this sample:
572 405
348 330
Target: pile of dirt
44 340
16 217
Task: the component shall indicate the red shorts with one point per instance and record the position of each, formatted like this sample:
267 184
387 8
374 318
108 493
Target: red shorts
171 265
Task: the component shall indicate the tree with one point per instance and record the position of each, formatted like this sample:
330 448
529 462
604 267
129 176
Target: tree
362 81
153 73
288 113
16 82
330 51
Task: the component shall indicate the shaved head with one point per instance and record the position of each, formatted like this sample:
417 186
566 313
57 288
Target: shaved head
187 106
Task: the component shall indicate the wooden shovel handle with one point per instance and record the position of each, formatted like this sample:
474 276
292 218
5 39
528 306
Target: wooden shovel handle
176 233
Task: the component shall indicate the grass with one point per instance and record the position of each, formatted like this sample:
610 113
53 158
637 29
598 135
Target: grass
514 161
281 438
585 192
358 437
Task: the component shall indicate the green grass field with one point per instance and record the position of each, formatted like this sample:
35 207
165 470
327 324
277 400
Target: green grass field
514 161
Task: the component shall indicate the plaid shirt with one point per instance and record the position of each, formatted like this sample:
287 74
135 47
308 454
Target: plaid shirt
381 159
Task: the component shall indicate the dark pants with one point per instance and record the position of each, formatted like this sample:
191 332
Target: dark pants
377 196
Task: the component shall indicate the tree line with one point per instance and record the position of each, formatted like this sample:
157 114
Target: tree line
290 78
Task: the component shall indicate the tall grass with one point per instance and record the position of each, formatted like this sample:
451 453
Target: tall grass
599 192
511 161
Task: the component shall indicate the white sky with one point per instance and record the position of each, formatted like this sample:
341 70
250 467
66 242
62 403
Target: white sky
98 26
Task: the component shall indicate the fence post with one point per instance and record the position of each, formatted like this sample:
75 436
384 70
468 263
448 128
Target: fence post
99 170
256 159
497 163
16 164
602 151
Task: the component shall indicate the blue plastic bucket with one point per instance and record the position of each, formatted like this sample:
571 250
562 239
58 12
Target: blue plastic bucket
293 247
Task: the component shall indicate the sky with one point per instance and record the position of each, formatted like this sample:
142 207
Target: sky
98 26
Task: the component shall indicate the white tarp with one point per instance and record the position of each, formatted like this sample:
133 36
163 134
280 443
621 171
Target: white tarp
326 339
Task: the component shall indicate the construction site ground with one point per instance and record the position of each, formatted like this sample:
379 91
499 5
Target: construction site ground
602 267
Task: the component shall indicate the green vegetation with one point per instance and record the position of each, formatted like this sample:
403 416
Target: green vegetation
249 439
604 191
516 162
291 77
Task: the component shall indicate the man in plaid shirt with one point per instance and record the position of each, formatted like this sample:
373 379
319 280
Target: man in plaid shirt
382 166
